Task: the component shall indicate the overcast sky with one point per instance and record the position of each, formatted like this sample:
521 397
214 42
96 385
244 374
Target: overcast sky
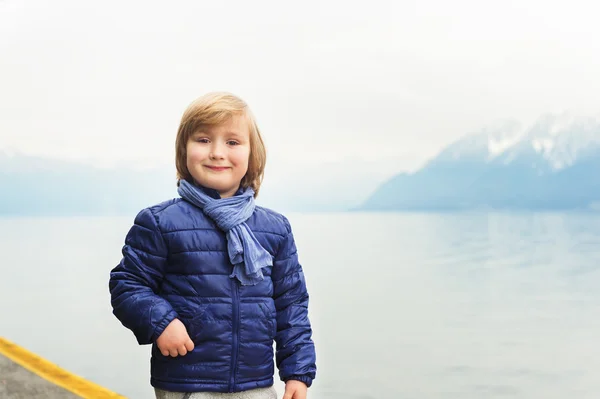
384 84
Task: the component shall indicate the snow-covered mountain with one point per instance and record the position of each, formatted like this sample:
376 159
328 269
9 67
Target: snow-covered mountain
554 141
555 163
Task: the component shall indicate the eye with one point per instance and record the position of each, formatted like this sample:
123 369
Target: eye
202 140
232 142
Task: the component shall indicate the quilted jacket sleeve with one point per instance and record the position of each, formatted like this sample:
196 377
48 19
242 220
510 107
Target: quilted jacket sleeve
135 281
295 350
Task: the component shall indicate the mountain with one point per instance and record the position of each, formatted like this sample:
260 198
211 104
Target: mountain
38 186
553 164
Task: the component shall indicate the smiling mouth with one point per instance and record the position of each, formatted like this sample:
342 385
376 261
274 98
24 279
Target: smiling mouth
217 168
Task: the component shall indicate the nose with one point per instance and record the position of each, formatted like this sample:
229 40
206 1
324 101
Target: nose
216 151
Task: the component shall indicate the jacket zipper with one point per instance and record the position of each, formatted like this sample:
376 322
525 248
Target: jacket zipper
236 326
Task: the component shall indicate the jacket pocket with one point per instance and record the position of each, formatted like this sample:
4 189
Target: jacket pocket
192 318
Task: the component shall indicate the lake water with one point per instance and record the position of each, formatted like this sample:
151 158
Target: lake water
404 305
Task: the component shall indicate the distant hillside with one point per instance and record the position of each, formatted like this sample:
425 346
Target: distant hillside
37 186
554 164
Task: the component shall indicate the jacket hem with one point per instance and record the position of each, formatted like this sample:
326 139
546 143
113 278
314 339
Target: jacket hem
209 386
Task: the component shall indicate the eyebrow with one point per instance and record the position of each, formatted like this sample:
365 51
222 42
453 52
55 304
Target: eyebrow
230 133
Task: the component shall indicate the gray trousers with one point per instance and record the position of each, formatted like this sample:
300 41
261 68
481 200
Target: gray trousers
259 393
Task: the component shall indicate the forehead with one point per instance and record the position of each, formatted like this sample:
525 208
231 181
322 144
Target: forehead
236 125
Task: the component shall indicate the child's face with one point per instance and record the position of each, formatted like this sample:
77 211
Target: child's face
217 156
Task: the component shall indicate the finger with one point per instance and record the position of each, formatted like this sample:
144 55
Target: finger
173 352
189 345
181 350
164 352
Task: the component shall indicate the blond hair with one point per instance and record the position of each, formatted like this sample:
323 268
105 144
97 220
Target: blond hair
213 109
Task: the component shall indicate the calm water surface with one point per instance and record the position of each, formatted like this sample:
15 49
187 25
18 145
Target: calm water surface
407 305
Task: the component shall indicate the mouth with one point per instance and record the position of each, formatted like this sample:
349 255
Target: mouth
216 168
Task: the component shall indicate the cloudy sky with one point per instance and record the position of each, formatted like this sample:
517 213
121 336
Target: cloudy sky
379 85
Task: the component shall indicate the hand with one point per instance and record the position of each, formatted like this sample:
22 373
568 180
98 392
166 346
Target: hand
295 389
175 340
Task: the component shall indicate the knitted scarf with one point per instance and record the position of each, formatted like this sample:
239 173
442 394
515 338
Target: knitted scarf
230 214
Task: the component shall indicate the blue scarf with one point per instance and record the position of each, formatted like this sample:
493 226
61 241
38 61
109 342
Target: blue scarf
230 214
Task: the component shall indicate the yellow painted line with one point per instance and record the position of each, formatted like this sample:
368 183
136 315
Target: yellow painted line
56 375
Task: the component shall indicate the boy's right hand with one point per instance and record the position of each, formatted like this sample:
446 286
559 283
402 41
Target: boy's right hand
174 340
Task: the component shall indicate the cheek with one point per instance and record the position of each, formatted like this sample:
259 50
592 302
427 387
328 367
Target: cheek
194 154
241 158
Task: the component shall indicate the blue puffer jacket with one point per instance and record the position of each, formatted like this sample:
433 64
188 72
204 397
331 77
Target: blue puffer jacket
175 265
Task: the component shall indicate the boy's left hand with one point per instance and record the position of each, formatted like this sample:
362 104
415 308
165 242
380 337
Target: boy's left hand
295 389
